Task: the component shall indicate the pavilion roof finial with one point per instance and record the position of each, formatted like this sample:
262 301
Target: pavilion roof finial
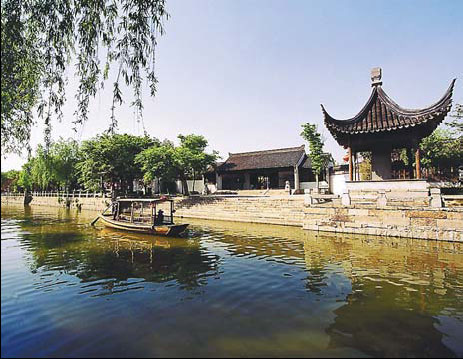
376 74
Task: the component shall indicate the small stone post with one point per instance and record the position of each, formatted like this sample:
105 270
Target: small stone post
436 198
345 198
382 200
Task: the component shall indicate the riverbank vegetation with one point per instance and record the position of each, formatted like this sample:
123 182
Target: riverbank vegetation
111 160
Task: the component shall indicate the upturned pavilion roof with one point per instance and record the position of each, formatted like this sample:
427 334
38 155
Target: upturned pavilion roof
381 114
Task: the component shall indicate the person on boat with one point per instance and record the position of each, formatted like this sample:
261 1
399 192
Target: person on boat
160 217
114 210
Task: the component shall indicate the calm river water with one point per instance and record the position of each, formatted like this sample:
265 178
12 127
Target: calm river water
224 289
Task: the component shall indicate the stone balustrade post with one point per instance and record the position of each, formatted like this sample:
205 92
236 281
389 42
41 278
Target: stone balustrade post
382 199
436 198
308 200
345 198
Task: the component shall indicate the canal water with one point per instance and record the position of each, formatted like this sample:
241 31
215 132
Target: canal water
223 289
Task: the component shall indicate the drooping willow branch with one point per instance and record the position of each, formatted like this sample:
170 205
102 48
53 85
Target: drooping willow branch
42 38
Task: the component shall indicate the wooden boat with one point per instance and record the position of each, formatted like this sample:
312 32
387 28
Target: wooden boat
140 215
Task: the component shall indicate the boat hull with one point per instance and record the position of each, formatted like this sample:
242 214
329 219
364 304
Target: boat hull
162 230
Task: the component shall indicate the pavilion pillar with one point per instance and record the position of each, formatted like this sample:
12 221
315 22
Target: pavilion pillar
417 163
351 167
218 181
247 180
297 185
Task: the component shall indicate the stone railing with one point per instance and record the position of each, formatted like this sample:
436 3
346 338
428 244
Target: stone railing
397 193
95 201
58 194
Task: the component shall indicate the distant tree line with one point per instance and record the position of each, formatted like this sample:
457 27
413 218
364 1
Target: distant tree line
114 160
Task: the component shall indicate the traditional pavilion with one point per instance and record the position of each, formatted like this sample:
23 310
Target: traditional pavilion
382 126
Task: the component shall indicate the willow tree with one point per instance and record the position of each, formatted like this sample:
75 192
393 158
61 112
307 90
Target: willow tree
64 155
40 39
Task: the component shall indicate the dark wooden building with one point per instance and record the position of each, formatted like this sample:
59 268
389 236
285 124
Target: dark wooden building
382 126
264 169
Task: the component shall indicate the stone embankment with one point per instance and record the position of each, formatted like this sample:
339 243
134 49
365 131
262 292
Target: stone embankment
272 210
397 209
86 203
424 223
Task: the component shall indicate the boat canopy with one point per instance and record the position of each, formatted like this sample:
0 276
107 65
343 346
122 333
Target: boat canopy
150 200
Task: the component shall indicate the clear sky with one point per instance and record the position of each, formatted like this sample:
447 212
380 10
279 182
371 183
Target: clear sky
247 74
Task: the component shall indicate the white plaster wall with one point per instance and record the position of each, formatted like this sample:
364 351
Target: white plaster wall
404 185
338 183
199 186
307 186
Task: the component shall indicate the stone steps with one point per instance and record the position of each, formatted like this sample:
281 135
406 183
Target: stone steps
282 211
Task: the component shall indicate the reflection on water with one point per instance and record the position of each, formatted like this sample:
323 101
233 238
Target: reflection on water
223 289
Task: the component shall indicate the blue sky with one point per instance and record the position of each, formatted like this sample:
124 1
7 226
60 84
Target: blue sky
247 74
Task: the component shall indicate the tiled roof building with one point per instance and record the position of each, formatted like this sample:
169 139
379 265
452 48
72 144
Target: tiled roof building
264 169
278 158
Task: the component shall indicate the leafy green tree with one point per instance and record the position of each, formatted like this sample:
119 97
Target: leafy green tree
42 38
25 179
192 158
169 162
41 169
443 149
64 155
111 158
158 162
318 159
457 122
54 168
10 180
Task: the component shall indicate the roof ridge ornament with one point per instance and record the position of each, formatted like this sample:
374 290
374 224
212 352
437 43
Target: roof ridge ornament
376 74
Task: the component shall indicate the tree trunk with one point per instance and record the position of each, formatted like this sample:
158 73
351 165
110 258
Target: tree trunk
317 181
194 179
27 197
186 192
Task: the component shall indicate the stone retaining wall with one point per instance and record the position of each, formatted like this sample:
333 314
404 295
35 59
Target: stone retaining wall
91 203
272 210
426 223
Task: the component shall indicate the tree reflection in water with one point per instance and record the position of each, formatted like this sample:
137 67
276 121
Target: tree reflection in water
118 256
